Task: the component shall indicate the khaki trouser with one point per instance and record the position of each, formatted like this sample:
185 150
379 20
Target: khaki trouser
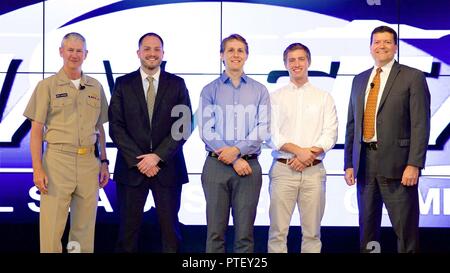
288 188
72 182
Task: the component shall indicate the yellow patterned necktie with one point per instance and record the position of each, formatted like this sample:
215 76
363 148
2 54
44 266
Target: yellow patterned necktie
150 98
371 106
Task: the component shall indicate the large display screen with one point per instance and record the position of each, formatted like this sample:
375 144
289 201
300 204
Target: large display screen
337 33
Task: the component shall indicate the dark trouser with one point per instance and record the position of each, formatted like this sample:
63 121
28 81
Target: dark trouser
225 189
131 205
402 204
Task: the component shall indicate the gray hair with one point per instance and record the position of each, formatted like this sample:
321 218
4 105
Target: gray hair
75 36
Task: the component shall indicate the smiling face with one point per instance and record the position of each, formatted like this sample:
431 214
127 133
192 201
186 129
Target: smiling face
151 54
383 48
297 65
234 56
73 52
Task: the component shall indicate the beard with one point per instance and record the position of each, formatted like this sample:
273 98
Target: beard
151 66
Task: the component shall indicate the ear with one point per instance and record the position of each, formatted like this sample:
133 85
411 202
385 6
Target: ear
61 51
85 54
222 59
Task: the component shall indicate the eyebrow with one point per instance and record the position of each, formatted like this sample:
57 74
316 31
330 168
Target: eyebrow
156 47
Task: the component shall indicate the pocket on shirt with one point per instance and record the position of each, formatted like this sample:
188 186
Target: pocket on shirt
60 102
61 109
92 108
93 102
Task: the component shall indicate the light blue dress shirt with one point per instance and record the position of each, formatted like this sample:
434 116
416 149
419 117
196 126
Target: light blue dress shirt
234 116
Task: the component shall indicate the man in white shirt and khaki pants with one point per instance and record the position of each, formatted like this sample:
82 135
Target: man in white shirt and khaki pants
304 127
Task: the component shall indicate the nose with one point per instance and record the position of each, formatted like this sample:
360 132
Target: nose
384 43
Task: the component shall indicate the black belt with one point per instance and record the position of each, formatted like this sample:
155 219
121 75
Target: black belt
285 161
246 157
371 145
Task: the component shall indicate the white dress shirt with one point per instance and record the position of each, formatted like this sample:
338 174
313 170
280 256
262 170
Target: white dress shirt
386 69
145 82
305 116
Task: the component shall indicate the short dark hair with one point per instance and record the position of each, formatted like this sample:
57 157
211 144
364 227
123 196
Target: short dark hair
149 34
381 29
296 46
233 37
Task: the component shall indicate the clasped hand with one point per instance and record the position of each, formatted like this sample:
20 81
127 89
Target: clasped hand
241 167
148 164
228 154
304 157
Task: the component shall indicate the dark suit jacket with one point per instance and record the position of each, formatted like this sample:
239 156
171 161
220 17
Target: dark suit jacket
403 121
130 129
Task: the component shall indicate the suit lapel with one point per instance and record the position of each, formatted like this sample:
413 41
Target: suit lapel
362 95
390 81
162 89
138 90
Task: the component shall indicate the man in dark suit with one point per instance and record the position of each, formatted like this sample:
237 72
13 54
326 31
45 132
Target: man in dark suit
388 128
149 141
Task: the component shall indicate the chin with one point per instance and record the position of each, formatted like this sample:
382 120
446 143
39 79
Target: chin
151 67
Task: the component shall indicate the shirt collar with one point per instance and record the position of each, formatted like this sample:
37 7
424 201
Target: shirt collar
63 79
224 78
294 87
385 67
144 75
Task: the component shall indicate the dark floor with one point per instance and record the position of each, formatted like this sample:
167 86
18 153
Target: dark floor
25 238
